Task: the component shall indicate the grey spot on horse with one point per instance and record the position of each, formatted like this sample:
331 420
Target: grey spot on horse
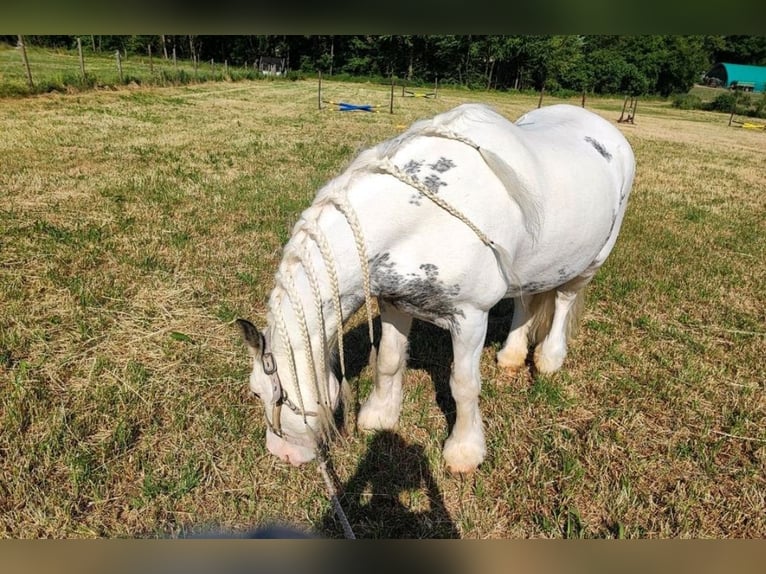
442 164
536 287
431 271
423 296
412 168
599 148
433 183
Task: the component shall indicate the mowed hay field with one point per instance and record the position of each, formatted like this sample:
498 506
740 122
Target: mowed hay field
137 224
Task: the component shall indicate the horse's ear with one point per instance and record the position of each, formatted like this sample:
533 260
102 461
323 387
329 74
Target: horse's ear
252 337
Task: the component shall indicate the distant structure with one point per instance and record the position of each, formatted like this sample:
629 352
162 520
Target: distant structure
269 66
737 77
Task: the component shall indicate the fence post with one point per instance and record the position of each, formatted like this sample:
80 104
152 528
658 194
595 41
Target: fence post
175 62
26 61
82 61
540 101
151 64
119 65
391 105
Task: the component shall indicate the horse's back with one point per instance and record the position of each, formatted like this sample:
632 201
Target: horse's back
566 134
576 167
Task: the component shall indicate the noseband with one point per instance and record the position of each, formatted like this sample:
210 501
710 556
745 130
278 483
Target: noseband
279 395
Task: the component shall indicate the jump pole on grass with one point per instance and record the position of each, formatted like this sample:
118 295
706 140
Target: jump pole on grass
414 94
345 107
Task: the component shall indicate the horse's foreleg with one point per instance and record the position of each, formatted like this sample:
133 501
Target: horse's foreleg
464 450
514 352
382 408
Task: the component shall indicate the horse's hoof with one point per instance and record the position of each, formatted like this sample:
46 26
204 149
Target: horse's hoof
371 420
511 362
463 458
547 364
461 472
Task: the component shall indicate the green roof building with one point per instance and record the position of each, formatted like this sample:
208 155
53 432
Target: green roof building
748 78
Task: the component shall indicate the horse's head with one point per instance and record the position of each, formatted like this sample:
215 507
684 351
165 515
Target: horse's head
293 434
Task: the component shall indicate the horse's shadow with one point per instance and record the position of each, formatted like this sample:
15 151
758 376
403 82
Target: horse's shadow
392 494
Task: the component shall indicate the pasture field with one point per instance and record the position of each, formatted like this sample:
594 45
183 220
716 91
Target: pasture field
137 224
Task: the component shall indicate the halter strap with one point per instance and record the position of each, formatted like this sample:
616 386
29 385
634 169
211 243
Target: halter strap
279 395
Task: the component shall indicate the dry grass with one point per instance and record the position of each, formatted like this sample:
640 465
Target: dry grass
137 224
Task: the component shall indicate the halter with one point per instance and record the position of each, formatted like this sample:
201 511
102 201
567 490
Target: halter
279 395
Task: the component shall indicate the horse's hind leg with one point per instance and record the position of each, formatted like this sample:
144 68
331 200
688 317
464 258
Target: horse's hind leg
382 408
464 450
514 352
551 352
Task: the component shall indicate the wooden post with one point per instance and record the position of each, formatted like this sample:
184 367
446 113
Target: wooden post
175 62
391 105
436 86
226 68
151 64
26 61
82 62
733 107
635 107
540 101
119 65
582 103
624 105
319 91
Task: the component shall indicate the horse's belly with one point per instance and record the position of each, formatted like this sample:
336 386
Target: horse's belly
567 247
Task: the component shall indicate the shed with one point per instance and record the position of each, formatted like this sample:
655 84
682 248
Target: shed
271 66
739 76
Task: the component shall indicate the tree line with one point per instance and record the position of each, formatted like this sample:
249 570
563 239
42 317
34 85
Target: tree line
600 64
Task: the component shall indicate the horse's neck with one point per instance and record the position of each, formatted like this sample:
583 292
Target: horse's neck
320 275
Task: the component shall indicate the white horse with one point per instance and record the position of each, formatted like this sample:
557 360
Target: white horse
440 223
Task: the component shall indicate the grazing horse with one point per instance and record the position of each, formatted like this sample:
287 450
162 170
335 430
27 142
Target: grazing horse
440 223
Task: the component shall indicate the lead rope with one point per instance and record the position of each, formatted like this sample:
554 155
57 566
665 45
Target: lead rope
330 482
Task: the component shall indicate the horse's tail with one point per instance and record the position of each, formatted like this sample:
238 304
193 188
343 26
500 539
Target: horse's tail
542 307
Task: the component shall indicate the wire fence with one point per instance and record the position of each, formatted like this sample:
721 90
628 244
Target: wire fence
26 70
